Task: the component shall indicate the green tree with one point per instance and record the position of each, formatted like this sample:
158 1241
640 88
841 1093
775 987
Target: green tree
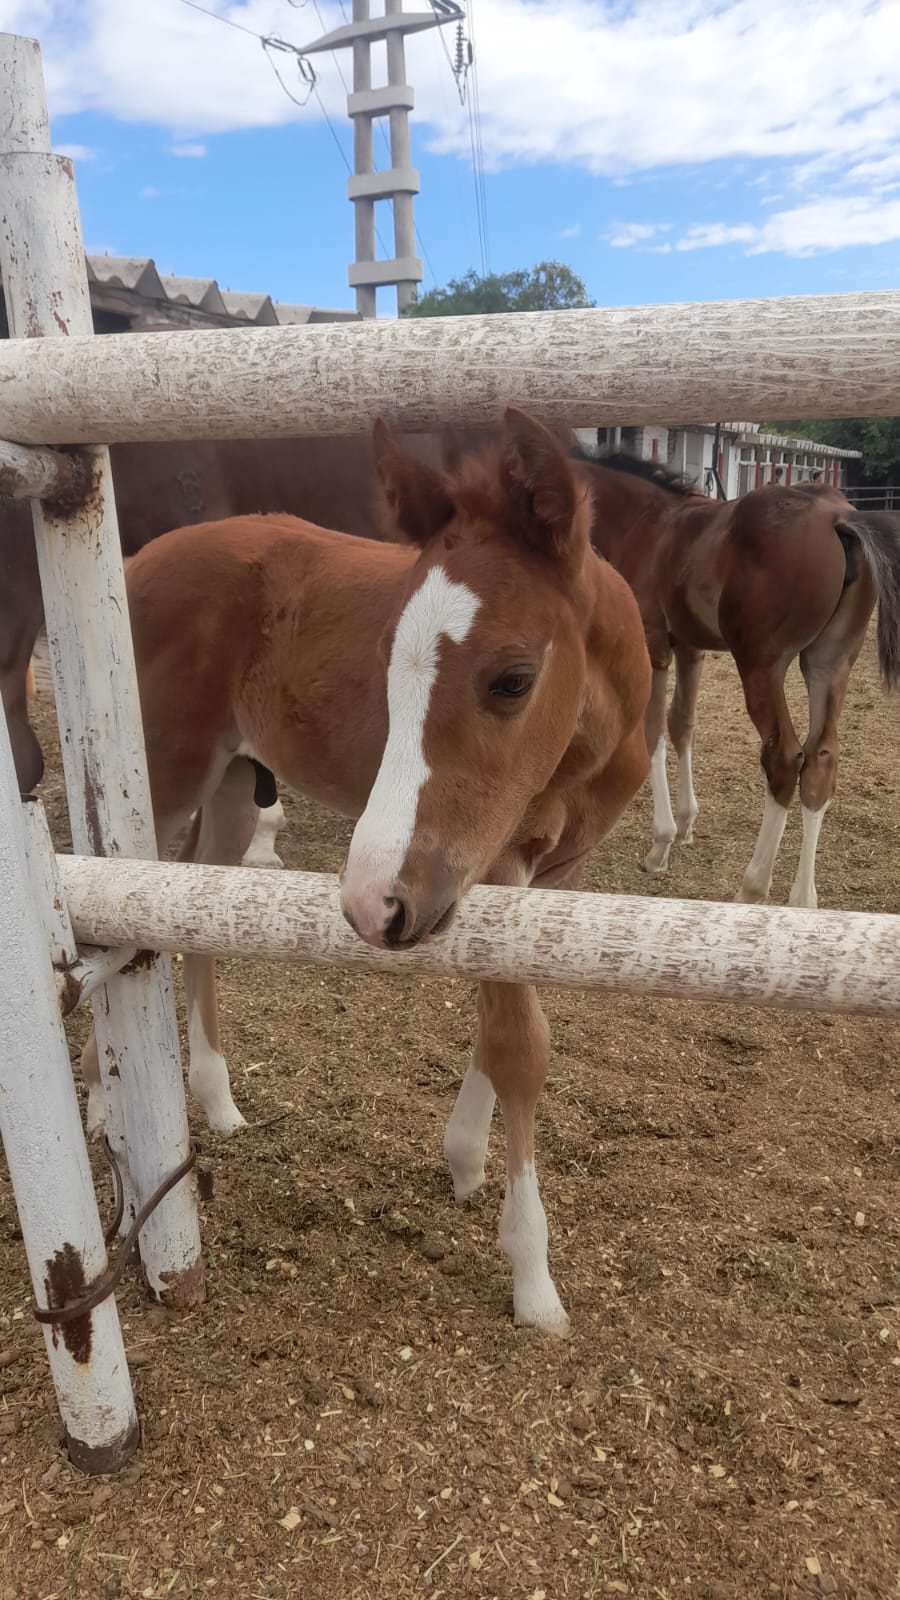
877 437
549 286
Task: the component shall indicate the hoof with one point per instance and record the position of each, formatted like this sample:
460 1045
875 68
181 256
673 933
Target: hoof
227 1121
464 1186
548 1319
655 864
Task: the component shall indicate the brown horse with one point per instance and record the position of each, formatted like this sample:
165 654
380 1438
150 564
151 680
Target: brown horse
775 575
162 486
474 698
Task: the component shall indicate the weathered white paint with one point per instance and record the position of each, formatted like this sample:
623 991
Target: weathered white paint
34 472
25 125
46 1154
437 609
467 1132
47 300
686 807
657 857
523 1235
77 973
758 876
845 961
811 356
208 1078
803 889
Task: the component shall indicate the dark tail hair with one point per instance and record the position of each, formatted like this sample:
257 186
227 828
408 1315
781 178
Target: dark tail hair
879 535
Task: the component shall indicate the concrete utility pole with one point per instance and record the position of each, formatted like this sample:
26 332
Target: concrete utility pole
400 181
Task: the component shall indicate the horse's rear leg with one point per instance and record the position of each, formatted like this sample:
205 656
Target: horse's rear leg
682 721
664 830
781 756
227 825
826 684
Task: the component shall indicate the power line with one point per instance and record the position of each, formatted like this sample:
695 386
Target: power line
477 142
464 65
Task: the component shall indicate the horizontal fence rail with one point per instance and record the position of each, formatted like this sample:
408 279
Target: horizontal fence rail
675 949
816 356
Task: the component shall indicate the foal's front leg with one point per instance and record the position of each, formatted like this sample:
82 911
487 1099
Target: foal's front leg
512 1053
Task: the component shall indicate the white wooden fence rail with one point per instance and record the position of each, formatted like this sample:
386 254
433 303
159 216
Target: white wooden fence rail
684 950
825 356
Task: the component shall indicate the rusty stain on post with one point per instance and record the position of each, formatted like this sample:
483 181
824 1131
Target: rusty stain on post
65 1281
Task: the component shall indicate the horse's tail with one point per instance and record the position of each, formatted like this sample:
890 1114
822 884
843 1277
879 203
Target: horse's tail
879 535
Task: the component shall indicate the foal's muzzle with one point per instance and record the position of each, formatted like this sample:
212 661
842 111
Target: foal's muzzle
399 915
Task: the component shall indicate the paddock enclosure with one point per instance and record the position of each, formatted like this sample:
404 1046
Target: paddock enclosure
349 1408
721 1184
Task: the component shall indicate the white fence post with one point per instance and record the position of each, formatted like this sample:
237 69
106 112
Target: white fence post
45 286
48 1164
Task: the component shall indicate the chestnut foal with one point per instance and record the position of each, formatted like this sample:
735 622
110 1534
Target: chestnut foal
475 698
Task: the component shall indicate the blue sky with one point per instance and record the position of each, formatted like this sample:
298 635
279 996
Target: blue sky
666 152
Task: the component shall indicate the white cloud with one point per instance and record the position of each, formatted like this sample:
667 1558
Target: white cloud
75 152
621 90
631 233
572 232
710 235
189 152
656 83
638 233
830 224
148 192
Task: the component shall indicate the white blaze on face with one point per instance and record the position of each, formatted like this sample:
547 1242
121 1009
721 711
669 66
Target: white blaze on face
382 835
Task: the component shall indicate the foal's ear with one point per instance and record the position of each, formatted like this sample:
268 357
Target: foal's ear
546 503
416 500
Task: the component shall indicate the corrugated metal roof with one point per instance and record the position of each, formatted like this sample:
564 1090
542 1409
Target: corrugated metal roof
138 276
786 441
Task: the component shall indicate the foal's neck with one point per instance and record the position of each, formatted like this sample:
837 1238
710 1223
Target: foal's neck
622 501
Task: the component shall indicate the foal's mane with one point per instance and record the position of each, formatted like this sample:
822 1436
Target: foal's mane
654 472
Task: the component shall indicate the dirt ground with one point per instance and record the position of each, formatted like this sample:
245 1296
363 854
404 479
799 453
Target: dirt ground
352 1413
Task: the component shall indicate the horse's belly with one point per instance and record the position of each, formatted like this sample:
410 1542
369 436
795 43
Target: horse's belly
695 621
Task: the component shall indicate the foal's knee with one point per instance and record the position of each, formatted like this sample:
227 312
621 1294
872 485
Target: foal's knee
782 763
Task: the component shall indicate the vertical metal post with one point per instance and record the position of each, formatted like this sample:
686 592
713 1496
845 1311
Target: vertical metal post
48 1164
107 784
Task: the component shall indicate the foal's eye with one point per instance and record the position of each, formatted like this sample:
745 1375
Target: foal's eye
513 685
